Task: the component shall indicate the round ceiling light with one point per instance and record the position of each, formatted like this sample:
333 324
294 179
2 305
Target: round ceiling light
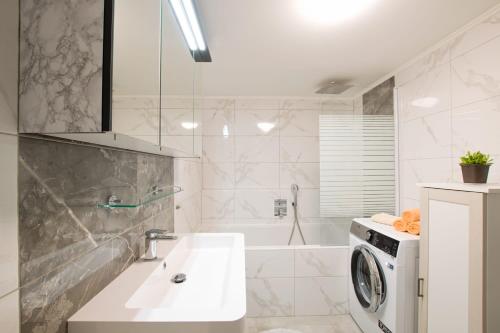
332 11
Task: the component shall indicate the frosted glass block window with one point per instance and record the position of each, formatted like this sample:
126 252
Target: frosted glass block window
357 169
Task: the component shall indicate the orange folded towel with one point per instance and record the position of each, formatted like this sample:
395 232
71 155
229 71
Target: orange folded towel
414 228
400 225
411 215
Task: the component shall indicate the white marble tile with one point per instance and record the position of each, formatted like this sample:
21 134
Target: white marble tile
219 121
304 324
270 297
476 74
427 94
254 122
256 149
175 121
187 214
218 175
337 105
321 296
306 175
299 149
264 263
136 122
299 122
424 64
308 202
188 175
258 103
218 204
256 175
177 102
426 137
9 313
218 148
8 214
9 39
183 143
423 171
322 261
217 103
476 126
477 35
255 204
301 104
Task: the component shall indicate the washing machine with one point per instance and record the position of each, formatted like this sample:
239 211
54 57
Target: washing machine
383 278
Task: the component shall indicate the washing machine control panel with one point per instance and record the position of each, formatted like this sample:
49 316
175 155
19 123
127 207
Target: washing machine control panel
385 243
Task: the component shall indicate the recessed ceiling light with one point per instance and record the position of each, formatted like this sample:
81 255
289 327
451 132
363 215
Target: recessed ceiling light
189 125
265 127
425 102
332 11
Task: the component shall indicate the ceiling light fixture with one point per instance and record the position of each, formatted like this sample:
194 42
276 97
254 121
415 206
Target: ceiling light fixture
187 19
332 11
425 102
265 127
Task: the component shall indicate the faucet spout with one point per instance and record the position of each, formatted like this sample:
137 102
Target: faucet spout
152 238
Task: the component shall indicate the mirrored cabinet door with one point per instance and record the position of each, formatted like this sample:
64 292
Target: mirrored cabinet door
178 73
136 69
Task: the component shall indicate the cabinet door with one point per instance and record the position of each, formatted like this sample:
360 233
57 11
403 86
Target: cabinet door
178 73
136 69
450 278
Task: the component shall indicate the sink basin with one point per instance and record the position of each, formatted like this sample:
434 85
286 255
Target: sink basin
209 297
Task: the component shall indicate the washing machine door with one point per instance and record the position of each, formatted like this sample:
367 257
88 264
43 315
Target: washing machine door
367 278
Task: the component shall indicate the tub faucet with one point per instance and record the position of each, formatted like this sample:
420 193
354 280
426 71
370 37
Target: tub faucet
152 237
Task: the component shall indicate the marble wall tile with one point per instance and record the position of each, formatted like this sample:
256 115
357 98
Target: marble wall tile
380 100
427 94
426 137
308 202
136 121
299 149
174 120
321 296
423 171
325 261
61 38
218 175
272 297
188 174
183 143
476 74
476 127
299 122
9 39
219 121
479 34
258 103
306 175
217 103
256 175
262 263
301 104
248 120
187 214
333 105
218 204
255 204
218 149
256 149
9 313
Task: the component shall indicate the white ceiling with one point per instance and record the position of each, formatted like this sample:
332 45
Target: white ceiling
265 47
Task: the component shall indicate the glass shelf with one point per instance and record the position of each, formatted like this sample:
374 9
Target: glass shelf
156 194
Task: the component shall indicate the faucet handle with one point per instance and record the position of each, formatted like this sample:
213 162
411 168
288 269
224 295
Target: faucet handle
153 233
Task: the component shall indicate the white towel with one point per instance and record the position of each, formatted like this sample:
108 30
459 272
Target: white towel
384 218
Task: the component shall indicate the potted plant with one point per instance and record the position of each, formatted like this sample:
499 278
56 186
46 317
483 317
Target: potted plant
475 167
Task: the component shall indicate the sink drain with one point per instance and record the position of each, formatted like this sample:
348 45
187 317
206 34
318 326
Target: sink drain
178 278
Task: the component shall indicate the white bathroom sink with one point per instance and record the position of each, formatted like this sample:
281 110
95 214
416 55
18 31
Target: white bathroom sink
144 299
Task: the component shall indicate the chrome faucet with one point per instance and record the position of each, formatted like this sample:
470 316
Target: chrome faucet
152 237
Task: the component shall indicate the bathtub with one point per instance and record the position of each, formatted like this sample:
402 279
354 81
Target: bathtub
295 280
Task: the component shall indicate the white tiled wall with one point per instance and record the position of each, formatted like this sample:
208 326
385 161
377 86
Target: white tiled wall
245 168
188 175
463 75
300 281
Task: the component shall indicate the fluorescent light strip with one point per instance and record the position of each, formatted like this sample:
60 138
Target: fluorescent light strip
195 25
184 23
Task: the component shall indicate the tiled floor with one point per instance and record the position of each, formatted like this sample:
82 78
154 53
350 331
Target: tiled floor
319 324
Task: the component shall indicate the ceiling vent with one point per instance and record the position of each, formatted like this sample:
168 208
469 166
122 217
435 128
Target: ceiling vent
334 88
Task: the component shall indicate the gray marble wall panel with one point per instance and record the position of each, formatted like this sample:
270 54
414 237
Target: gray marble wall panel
69 248
380 100
61 44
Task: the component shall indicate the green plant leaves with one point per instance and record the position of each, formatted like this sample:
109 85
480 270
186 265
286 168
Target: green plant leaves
476 158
